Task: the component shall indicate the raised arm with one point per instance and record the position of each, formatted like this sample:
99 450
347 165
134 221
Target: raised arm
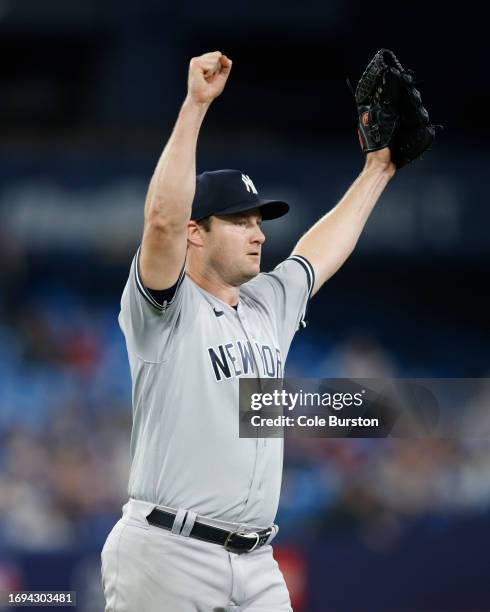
332 239
171 191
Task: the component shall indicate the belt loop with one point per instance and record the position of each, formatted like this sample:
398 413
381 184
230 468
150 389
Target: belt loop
275 529
179 520
188 523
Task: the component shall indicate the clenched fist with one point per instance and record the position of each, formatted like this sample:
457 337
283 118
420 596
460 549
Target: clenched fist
208 74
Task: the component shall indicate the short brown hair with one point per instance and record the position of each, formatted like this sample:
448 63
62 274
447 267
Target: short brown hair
205 223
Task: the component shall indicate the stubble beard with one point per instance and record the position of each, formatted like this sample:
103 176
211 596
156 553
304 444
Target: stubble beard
243 275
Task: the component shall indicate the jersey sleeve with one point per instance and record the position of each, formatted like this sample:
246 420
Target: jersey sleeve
285 293
148 318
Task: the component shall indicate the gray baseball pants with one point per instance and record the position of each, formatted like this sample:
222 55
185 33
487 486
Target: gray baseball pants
149 569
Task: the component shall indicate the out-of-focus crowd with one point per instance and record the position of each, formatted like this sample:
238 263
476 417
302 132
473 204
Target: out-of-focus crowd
65 419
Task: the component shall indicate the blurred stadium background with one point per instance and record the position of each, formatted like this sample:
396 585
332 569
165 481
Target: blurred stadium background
88 95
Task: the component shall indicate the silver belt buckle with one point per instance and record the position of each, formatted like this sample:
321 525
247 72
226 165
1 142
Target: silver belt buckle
229 546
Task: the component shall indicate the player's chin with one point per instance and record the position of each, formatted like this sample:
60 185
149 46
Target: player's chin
255 266
251 271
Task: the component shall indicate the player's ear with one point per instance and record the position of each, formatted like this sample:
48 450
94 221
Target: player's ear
194 233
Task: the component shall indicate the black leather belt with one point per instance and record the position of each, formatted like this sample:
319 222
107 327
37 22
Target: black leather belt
234 541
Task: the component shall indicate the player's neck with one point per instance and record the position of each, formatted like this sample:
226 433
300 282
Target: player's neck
215 286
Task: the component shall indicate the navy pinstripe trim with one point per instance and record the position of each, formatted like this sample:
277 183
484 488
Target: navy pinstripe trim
308 268
147 295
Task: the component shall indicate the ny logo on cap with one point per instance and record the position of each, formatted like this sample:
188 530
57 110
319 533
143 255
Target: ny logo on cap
249 184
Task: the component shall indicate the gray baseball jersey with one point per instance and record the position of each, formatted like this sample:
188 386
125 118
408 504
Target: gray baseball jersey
186 356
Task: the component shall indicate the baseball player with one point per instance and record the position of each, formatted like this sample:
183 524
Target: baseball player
197 314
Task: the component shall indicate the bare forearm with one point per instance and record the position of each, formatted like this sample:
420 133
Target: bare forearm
173 184
168 204
332 239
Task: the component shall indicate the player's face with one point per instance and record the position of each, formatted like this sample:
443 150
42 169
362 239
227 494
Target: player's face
234 246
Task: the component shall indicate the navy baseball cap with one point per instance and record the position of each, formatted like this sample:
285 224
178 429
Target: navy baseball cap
224 192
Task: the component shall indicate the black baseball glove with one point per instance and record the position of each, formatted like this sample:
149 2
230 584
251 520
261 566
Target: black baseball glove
390 110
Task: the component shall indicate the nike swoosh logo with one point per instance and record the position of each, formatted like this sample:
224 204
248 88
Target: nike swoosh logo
218 313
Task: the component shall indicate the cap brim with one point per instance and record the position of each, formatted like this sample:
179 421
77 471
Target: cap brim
273 209
270 209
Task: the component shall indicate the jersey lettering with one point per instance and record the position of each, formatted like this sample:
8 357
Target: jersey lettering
219 364
246 356
268 361
228 347
261 356
233 359
279 363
